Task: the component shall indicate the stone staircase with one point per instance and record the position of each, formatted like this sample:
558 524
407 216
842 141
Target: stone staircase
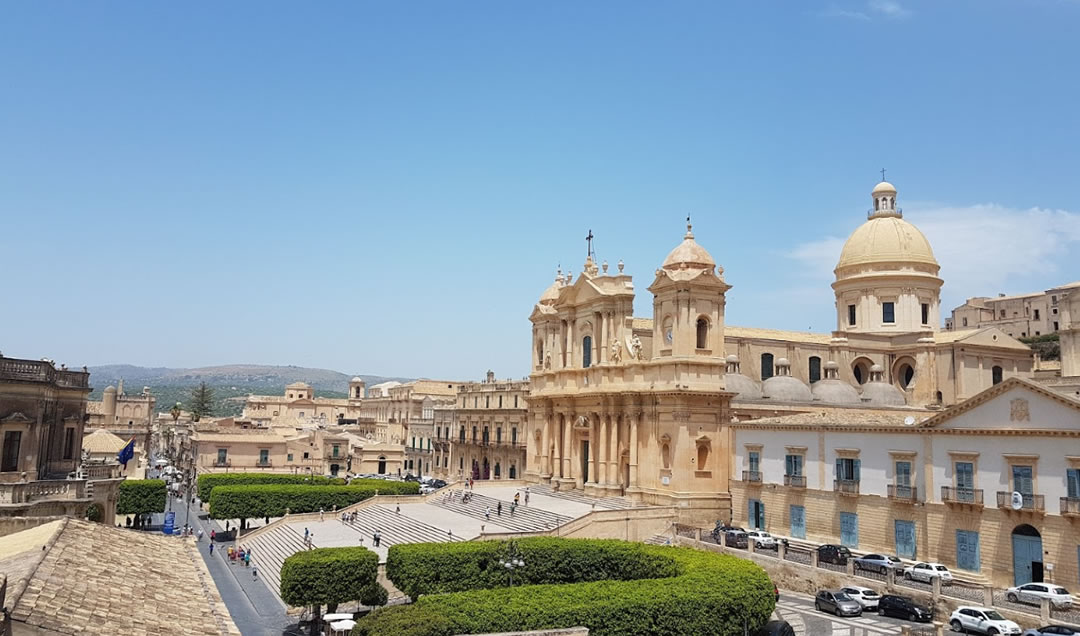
396 528
609 503
270 549
524 519
658 539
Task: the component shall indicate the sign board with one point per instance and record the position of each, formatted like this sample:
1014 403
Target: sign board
665 480
170 522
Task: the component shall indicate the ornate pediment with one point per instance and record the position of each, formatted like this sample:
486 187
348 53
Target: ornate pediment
582 423
17 418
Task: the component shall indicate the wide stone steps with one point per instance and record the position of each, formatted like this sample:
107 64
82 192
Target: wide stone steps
658 539
395 528
524 519
269 551
610 503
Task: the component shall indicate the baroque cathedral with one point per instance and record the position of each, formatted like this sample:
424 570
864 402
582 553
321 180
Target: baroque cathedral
641 406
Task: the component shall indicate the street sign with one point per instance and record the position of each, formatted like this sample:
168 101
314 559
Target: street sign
170 522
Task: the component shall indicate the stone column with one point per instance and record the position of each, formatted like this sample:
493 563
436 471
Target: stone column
567 449
545 447
601 343
602 451
595 444
613 451
634 449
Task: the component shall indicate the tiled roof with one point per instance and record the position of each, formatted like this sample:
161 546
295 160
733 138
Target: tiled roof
254 438
731 331
102 441
97 579
842 417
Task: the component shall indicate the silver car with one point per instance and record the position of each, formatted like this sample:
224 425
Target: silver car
837 602
880 563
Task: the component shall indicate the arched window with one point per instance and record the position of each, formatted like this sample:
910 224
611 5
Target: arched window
997 373
539 353
665 452
461 435
702 333
906 374
474 434
382 465
498 470
766 366
861 370
703 457
877 204
513 471
815 369
586 352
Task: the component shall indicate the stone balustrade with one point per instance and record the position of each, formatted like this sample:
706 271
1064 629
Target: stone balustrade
28 492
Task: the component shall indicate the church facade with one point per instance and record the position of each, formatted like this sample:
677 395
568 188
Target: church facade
643 406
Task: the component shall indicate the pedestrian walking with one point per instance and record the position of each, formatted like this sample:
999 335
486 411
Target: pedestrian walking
375 538
198 536
487 513
211 549
397 510
213 535
254 573
513 506
307 534
517 497
498 509
247 559
526 495
320 514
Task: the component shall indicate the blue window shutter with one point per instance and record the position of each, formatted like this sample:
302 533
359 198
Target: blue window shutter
857 470
1073 482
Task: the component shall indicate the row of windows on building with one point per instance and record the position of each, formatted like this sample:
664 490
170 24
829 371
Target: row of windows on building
477 435
487 402
847 473
9 455
888 313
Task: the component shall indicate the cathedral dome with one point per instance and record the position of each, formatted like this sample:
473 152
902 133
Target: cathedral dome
689 253
835 392
551 294
886 239
742 386
880 393
784 388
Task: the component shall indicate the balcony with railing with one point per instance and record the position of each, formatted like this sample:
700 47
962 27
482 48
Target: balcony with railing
222 463
264 463
1070 506
101 471
848 487
962 496
1029 503
28 492
795 481
903 494
751 476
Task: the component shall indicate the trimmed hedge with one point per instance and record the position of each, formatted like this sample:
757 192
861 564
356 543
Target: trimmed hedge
141 497
330 576
252 502
209 481
688 592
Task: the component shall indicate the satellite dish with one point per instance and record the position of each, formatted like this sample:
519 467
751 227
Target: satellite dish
909 420
1017 500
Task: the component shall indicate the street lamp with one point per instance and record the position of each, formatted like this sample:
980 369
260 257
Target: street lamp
513 562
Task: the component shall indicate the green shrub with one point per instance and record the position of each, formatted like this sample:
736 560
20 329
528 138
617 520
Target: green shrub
141 497
666 591
206 483
250 502
330 576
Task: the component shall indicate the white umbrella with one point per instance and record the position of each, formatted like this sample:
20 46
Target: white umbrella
343 626
340 616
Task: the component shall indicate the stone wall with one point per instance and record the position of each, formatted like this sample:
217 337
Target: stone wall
11 525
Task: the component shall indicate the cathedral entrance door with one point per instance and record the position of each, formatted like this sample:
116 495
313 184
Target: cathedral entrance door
585 461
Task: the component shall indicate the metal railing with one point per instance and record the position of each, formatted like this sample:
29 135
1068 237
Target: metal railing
907 494
222 463
264 463
795 481
752 476
1070 506
846 486
1029 502
970 496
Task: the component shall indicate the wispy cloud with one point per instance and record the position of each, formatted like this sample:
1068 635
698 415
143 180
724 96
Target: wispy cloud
983 249
871 9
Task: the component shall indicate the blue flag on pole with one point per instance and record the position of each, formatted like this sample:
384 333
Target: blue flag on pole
126 453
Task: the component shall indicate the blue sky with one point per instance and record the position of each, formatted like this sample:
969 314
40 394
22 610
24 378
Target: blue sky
387 187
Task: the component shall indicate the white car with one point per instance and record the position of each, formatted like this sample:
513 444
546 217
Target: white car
865 596
762 540
1035 592
982 620
926 572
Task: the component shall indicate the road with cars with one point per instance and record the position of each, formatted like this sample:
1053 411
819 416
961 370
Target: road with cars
798 609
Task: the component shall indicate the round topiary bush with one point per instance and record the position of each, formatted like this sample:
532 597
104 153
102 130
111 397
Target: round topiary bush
611 587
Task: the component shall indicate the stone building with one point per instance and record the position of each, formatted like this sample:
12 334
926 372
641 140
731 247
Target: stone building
1019 315
395 407
641 406
124 415
923 485
486 439
298 407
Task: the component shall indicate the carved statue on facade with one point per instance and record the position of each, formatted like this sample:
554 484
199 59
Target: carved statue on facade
616 351
547 360
636 348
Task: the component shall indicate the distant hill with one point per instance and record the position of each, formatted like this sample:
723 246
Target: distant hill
228 381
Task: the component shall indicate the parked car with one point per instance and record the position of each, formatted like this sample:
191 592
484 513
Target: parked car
982 620
1036 592
830 553
762 540
837 602
904 607
721 529
880 563
866 597
1053 630
735 539
438 483
927 572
